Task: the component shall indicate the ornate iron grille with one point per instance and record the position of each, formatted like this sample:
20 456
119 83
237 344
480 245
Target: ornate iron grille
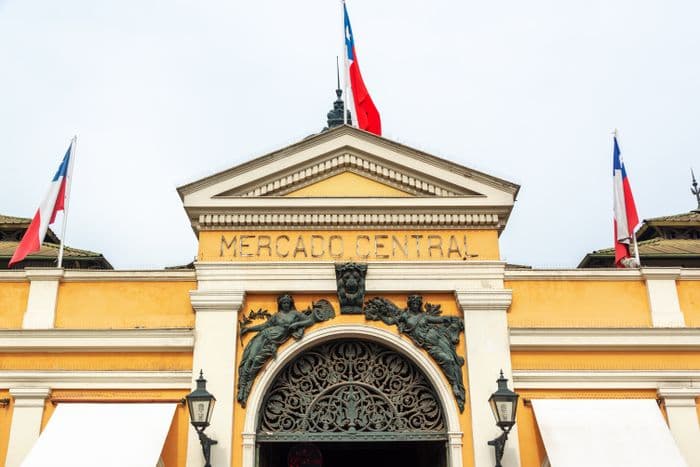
351 391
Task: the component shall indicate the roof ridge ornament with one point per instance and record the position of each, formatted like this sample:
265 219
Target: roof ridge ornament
695 190
335 116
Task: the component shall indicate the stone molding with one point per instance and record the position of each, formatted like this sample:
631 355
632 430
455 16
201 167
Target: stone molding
96 340
604 379
382 277
217 300
484 299
387 219
573 274
30 396
552 339
60 379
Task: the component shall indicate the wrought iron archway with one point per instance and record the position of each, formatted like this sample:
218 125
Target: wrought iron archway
351 390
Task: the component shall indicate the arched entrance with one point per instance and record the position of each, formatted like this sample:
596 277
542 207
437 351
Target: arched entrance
356 402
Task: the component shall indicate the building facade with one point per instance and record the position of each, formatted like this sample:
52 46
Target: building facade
348 305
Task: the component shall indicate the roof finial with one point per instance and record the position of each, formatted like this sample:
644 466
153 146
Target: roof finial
695 190
335 116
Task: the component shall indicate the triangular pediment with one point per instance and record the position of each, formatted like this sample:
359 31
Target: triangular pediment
347 184
345 162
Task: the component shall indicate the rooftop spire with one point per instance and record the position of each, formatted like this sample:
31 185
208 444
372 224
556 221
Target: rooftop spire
335 116
695 190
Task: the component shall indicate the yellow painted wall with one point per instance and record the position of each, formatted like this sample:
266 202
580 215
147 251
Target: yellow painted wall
628 360
554 303
348 184
112 305
689 298
96 361
532 451
269 302
5 423
174 452
13 303
346 245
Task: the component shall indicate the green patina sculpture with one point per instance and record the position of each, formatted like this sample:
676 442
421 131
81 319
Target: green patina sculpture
275 331
438 335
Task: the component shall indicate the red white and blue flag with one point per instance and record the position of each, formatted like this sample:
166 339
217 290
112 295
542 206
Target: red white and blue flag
626 219
365 110
55 200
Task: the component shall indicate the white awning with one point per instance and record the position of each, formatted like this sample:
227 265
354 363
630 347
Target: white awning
606 433
108 435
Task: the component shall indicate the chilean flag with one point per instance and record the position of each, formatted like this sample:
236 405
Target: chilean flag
626 219
54 201
366 113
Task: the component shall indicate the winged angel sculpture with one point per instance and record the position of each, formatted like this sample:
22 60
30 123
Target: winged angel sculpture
437 334
275 331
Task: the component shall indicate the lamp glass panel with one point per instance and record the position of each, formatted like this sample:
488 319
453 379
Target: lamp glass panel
505 410
200 411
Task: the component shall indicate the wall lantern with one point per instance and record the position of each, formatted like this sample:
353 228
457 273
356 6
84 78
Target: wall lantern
504 404
200 403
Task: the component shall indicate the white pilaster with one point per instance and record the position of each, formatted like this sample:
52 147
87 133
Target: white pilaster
26 422
683 421
488 352
663 297
43 294
216 337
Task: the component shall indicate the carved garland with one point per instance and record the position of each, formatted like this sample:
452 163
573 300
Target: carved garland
351 389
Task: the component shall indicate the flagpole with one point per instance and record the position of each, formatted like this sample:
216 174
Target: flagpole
346 107
636 249
69 182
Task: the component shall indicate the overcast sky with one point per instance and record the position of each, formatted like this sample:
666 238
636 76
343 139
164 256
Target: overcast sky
161 93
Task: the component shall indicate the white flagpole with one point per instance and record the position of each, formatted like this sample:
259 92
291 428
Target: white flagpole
346 97
636 249
69 181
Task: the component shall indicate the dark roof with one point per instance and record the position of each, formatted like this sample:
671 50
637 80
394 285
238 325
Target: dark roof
663 241
11 230
661 246
11 223
49 254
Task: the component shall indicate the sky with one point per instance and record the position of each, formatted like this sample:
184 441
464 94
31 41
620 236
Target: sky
164 92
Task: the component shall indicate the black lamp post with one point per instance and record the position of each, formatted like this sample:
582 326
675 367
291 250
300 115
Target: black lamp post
200 403
504 404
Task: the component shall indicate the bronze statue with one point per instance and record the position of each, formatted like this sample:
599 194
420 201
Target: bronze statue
350 279
275 331
438 335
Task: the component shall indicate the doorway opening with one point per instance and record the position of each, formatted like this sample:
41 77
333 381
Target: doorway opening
359 454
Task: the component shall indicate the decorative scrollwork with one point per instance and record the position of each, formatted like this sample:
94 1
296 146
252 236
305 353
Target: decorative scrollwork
351 390
428 329
276 330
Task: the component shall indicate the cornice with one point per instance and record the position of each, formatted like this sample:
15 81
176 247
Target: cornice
573 274
484 299
385 276
603 379
44 274
386 219
96 340
217 300
129 275
679 396
13 275
59 379
596 339
661 273
691 274
30 396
